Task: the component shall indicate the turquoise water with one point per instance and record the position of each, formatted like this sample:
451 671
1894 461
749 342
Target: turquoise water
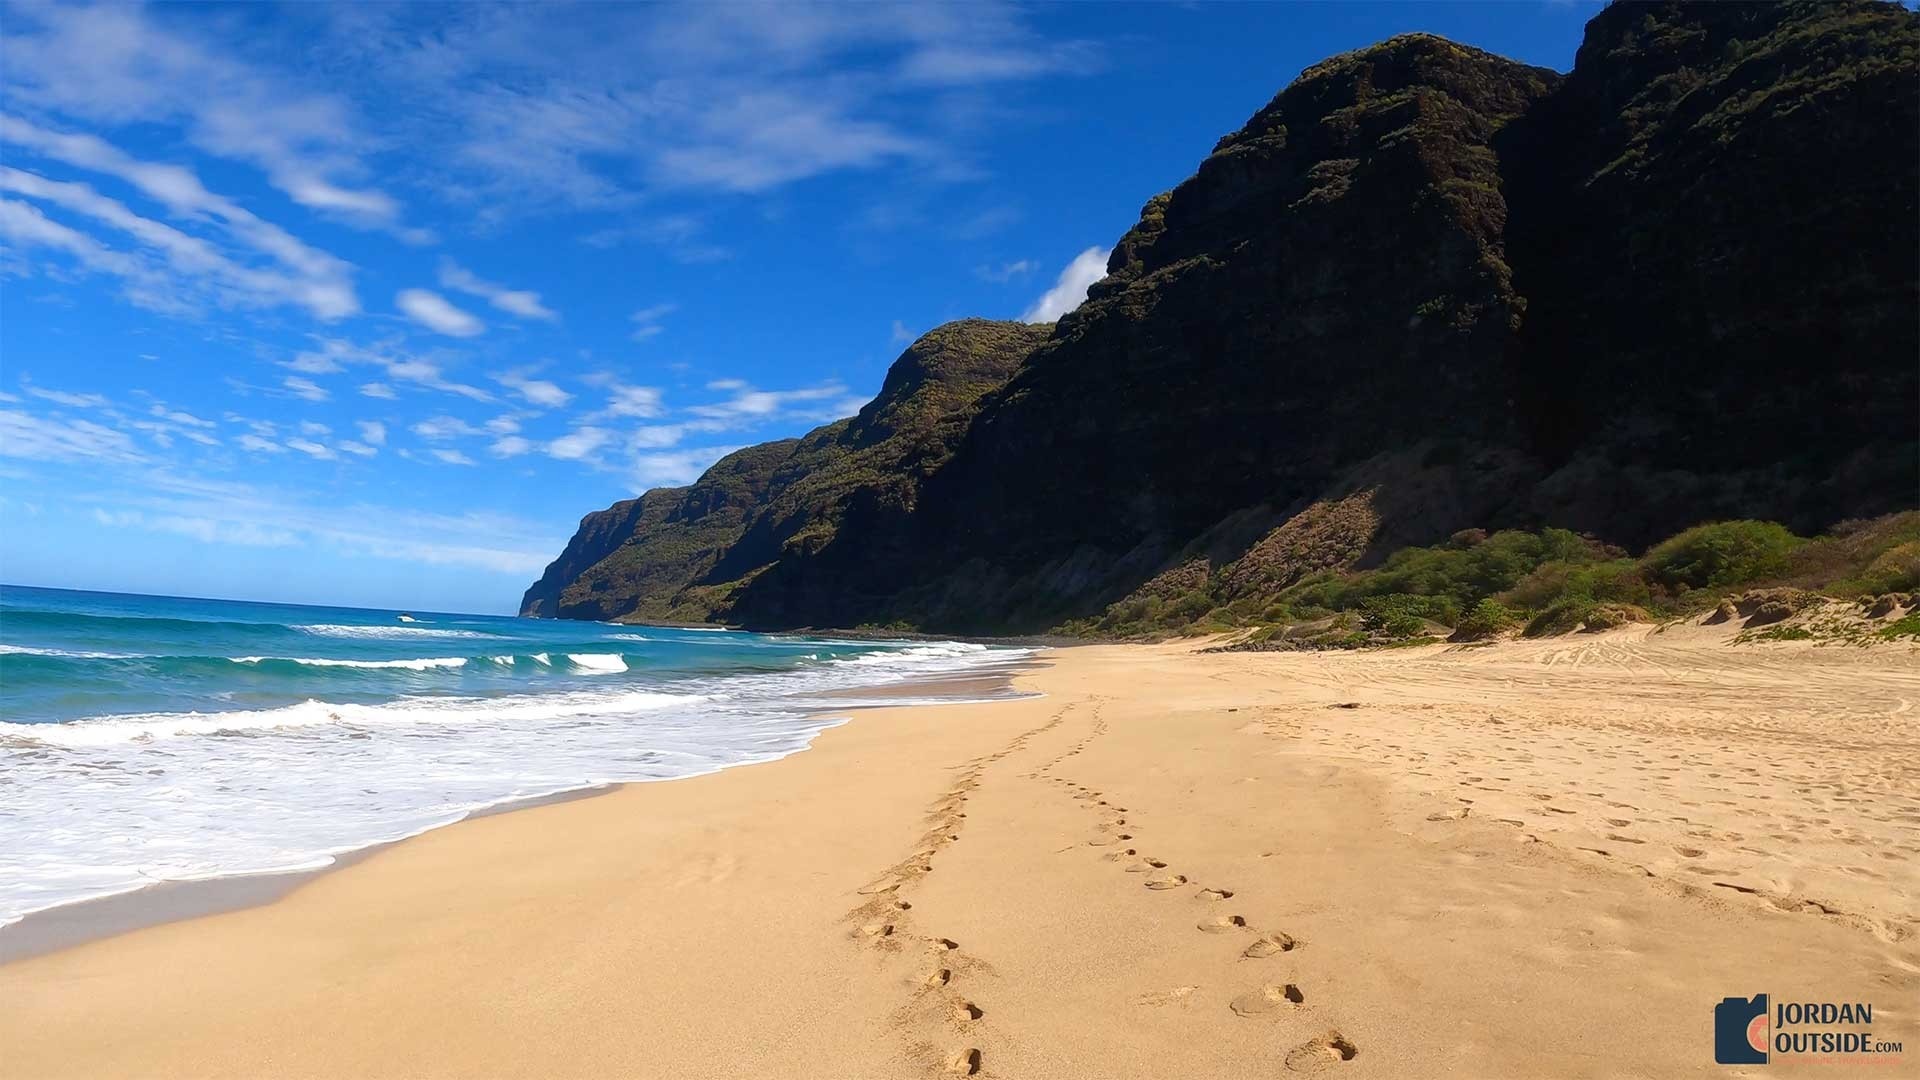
147 738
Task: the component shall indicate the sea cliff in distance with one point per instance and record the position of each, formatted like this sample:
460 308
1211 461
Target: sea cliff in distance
1437 339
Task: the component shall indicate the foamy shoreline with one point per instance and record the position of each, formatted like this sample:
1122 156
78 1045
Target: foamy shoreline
669 731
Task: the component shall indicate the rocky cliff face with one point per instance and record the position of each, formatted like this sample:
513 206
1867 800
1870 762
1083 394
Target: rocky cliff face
685 554
1425 288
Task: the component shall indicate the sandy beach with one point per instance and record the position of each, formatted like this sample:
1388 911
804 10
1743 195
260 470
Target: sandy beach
1532 859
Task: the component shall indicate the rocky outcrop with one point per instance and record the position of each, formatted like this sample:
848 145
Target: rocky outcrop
1424 289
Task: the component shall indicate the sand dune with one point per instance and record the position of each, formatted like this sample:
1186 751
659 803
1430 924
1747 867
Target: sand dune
1531 859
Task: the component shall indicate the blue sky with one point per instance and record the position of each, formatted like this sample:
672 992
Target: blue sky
367 304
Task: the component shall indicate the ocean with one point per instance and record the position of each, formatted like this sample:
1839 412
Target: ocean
146 739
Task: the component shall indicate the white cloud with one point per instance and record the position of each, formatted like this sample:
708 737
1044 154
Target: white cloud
358 449
676 468
536 391
304 388
61 397
398 365
646 321
578 444
205 530
180 417
113 64
1070 289
311 449
641 402
372 431
314 427
434 312
453 457
1006 272
313 279
258 445
511 446
194 267
513 301
439 428
23 435
748 405
504 424
901 335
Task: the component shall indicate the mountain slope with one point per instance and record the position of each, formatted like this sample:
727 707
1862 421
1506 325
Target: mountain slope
681 554
1427 289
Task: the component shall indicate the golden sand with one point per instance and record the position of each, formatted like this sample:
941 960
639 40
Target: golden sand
1527 860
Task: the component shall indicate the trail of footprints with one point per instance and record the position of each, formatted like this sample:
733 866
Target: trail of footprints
1112 831
936 997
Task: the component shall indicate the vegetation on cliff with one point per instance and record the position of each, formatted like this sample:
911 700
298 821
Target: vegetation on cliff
1425 290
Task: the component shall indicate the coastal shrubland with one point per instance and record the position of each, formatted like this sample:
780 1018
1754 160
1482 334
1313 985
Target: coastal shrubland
1479 585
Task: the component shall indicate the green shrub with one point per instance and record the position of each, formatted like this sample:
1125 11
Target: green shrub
1907 625
1484 620
1404 614
1561 618
1721 554
1897 570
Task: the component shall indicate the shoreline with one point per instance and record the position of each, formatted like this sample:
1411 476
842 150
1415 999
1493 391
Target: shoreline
78 922
1440 862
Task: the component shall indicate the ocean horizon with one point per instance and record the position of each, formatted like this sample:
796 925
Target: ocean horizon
147 739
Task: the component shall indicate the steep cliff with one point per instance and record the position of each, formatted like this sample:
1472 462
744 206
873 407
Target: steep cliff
1424 289
683 554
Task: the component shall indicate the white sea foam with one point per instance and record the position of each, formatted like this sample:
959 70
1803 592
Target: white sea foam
599 663
915 654
334 630
141 728
117 803
22 650
542 658
421 664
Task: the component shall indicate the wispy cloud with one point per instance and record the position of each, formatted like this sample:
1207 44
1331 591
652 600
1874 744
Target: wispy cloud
116 65
536 391
646 321
513 301
311 278
304 388
436 313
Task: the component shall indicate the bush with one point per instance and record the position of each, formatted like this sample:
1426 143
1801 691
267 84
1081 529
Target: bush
1402 615
1487 618
1562 618
1898 570
1721 554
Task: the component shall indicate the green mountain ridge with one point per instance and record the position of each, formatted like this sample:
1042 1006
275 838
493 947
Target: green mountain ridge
1425 289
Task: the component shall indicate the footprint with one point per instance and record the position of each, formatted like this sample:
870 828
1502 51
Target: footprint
1166 997
1167 881
1214 894
1145 865
1220 924
965 1062
966 1010
938 977
877 929
1450 815
1266 999
1271 944
1689 852
941 944
1321 1054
